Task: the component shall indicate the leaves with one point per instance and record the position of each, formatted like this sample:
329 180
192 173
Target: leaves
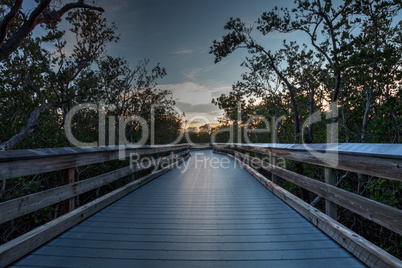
354 54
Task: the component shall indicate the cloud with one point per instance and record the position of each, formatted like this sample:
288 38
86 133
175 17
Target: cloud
198 108
191 75
204 118
185 51
194 93
195 99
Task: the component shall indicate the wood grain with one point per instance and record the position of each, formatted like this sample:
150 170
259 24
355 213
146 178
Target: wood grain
30 162
17 248
382 214
383 166
363 249
21 206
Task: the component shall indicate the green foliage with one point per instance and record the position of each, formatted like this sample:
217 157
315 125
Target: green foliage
58 72
385 191
354 57
70 73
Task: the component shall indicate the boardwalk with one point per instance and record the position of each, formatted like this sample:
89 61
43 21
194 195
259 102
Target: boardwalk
197 215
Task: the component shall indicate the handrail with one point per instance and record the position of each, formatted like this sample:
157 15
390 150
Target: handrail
375 160
361 149
385 215
23 154
350 158
382 214
379 160
18 163
21 206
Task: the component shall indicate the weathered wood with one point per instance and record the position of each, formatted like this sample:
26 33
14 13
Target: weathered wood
381 165
363 249
15 163
363 149
25 154
69 178
21 206
184 219
382 214
3 185
274 177
200 146
40 161
330 207
17 248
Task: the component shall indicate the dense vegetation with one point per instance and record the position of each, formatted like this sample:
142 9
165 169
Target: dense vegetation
45 73
342 86
48 75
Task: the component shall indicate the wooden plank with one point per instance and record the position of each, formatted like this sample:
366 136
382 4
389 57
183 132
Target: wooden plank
40 161
17 248
24 154
363 249
173 233
203 256
104 262
197 146
296 245
377 212
380 150
389 167
21 206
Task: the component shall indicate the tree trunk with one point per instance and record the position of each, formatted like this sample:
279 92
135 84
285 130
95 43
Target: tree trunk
311 112
28 129
370 89
37 16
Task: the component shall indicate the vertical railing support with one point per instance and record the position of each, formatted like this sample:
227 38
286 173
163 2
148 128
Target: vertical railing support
3 185
69 177
274 139
274 177
330 207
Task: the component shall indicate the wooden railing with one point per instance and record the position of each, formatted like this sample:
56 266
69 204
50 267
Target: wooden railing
379 160
18 163
376 160
201 146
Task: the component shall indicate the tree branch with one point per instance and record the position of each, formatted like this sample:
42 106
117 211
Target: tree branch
319 198
373 76
288 85
312 36
16 40
310 127
38 16
32 120
47 17
34 88
7 20
28 129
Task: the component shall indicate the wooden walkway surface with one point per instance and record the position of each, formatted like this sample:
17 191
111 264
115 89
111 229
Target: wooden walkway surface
197 215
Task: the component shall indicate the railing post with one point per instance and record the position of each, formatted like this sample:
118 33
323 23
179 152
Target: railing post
274 177
330 207
69 177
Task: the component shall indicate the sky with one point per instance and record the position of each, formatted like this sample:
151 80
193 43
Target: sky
178 35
